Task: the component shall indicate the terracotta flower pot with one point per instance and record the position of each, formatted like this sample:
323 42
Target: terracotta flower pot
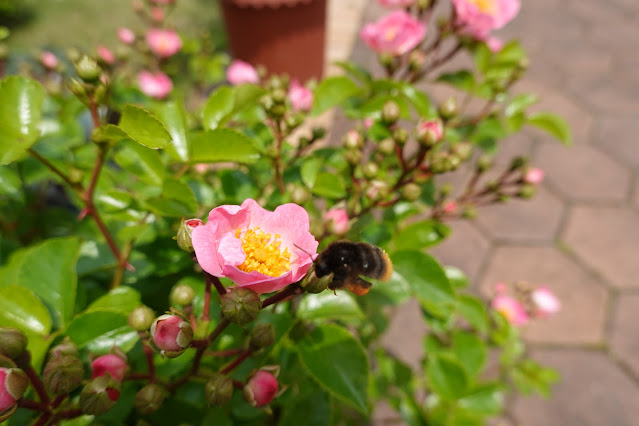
286 36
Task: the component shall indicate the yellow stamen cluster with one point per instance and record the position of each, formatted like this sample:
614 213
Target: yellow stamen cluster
263 253
485 6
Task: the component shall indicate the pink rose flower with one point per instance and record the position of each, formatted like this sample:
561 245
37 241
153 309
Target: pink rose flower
49 60
534 176
394 34
546 303
511 308
114 365
301 98
256 248
479 17
240 72
156 85
164 43
125 35
396 3
435 127
337 221
261 388
106 54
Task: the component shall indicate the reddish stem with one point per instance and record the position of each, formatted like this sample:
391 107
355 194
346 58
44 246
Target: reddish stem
43 419
30 404
237 361
289 291
229 352
24 362
148 352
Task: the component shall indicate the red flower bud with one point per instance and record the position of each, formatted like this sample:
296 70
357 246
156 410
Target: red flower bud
99 395
171 335
111 364
13 383
261 388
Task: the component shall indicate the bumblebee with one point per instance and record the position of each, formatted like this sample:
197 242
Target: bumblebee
348 261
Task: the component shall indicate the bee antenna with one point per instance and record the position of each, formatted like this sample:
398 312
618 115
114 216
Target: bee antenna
309 254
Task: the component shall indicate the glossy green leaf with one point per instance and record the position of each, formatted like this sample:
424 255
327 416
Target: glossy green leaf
327 305
485 399
21 308
10 183
474 311
511 53
427 280
463 80
355 70
310 169
113 200
218 145
20 113
420 235
109 133
173 114
470 351
177 200
314 407
446 377
143 127
487 133
329 185
218 106
337 361
331 92
420 101
122 299
554 125
99 330
146 164
456 276
519 103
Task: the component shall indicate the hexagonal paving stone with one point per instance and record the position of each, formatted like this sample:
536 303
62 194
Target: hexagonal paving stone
578 182
465 249
583 313
625 330
618 136
523 220
404 337
607 238
593 391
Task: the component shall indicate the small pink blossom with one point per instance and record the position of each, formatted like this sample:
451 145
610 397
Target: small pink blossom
434 127
125 35
396 3
336 221
301 97
494 44
394 34
105 54
261 388
368 123
157 14
171 333
450 207
164 43
256 248
114 365
49 60
534 176
240 72
546 303
479 17
511 308
156 85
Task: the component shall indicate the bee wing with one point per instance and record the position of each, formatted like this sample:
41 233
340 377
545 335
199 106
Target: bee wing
358 286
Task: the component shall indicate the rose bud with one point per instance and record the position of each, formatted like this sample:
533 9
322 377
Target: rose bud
184 233
261 388
430 132
390 112
448 108
13 383
88 69
12 342
63 373
546 303
534 176
141 318
337 221
171 335
352 139
411 191
182 295
312 284
262 335
240 305
99 395
150 398
111 364
219 389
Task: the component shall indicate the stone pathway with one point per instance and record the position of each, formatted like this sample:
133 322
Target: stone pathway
580 234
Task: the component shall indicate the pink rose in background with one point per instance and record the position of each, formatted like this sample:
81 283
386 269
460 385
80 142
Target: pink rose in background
394 34
115 365
256 248
494 44
301 97
396 3
125 35
450 207
511 308
545 301
337 221
240 72
106 54
368 122
157 14
164 43
49 60
479 17
534 176
156 85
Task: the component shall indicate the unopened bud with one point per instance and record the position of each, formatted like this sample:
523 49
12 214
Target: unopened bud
182 295
99 395
527 191
262 335
518 163
240 305
377 190
411 191
312 284
448 108
386 146
428 133
352 139
261 388
67 347
141 318
113 365
184 233
390 112
13 384
400 136
278 95
318 132
171 335
219 389
299 195
440 162
150 398
12 342
88 69
416 60
353 156
462 150
370 170
470 212
77 88
63 373
484 163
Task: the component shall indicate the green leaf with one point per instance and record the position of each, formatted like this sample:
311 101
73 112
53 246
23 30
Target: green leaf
420 235
218 145
327 305
314 407
143 127
420 101
146 164
329 185
99 330
529 376
512 53
474 311
456 276
10 183
122 299
355 70
487 133
20 113
217 107
485 399
310 169
113 200
177 200
337 361
173 115
331 92
428 281
446 377
21 308
519 103
554 125
463 80
470 351
109 133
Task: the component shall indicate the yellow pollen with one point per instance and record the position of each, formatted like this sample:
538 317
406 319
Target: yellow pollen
263 253
391 33
485 6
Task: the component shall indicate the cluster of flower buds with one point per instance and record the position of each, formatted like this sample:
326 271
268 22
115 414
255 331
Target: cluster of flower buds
91 86
526 303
